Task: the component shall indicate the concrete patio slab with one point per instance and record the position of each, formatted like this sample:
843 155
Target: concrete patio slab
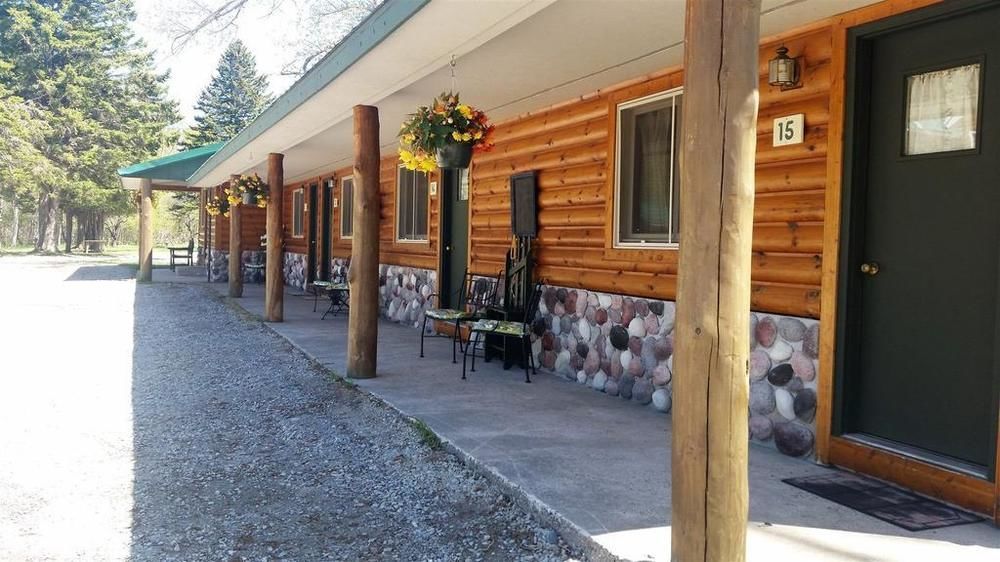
601 462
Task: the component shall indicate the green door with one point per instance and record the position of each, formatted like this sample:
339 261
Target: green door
924 244
455 229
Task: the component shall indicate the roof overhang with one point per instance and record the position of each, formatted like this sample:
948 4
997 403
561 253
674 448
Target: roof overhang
168 172
513 57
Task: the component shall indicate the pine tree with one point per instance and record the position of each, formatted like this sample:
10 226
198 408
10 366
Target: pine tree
79 67
236 95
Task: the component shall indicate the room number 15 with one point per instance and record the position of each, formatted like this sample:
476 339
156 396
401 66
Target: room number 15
788 129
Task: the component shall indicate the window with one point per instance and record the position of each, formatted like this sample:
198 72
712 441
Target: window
347 207
298 212
411 206
942 110
463 184
647 175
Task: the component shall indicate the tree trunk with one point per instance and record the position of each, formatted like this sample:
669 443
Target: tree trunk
709 446
362 323
235 247
146 231
68 231
48 222
274 290
15 226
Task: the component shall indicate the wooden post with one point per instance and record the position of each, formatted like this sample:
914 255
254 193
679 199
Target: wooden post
710 497
146 230
274 290
235 247
362 324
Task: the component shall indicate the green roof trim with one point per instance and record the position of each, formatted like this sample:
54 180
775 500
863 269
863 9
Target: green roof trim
366 36
175 167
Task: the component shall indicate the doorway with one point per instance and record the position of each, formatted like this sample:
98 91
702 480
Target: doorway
918 338
455 239
312 228
327 231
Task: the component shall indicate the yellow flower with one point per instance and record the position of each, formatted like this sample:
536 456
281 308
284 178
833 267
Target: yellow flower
477 135
465 110
466 137
456 135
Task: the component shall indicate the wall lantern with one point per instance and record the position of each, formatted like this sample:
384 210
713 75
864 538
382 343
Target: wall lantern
783 71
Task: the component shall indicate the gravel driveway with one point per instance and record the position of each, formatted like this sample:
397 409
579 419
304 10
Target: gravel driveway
153 422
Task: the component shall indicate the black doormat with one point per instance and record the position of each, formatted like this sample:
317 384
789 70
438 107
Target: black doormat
883 501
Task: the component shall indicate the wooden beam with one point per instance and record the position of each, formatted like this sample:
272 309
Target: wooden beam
362 326
709 488
235 247
274 291
146 230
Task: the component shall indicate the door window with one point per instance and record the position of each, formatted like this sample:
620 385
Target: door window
942 110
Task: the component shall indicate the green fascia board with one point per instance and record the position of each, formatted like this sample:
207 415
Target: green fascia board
365 37
175 167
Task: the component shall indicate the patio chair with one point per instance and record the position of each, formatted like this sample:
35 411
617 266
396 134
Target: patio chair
181 253
475 294
507 329
337 290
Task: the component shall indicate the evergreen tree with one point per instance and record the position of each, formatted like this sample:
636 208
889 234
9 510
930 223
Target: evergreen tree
92 84
236 95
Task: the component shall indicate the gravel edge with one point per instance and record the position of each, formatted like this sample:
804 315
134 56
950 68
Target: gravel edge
574 535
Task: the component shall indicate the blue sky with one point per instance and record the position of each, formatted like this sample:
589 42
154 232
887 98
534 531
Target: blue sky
267 34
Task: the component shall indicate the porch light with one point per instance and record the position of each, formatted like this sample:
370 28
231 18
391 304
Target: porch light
782 70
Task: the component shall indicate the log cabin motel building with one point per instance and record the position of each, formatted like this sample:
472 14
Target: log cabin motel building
876 223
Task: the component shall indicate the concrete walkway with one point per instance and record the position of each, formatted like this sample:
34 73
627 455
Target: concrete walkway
602 463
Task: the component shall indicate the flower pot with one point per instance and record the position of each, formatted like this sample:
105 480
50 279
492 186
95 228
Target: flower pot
249 198
454 156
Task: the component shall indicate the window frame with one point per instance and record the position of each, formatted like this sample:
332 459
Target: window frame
427 209
299 212
343 207
618 243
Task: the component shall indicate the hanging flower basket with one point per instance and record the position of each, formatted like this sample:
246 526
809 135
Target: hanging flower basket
251 190
454 155
218 206
444 135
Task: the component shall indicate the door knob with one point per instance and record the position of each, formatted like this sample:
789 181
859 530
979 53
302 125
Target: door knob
447 248
870 268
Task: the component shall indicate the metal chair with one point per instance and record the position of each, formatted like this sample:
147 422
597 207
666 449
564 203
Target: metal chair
475 294
508 329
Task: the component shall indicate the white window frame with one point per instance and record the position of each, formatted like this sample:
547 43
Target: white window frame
399 191
652 98
301 233
343 207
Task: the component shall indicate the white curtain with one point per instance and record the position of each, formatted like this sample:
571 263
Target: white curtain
942 110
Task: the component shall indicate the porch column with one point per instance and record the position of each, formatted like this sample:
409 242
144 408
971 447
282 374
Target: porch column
274 291
146 230
235 247
709 447
362 324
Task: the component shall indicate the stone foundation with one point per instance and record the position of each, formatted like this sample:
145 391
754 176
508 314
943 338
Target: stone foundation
623 346
295 270
219 269
403 293
338 269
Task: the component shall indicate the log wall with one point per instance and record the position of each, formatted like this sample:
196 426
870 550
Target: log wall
572 146
410 254
254 226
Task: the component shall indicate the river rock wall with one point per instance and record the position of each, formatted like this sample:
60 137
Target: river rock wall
404 293
623 347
